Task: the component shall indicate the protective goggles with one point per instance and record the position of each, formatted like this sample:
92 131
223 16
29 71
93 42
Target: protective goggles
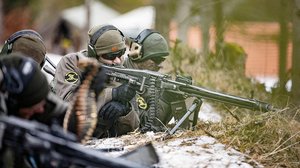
113 55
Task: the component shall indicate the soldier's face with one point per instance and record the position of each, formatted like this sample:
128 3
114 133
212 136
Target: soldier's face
28 112
148 65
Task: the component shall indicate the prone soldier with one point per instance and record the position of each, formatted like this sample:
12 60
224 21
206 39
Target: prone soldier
107 45
25 94
147 51
28 42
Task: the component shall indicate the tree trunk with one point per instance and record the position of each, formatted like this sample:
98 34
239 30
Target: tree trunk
283 44
296 53
164 14
182 19
205 23
219 24
88 18
1 21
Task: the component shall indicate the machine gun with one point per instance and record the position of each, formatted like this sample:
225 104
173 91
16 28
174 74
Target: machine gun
157 82
54 147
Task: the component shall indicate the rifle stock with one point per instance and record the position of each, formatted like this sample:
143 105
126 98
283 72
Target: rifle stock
141 79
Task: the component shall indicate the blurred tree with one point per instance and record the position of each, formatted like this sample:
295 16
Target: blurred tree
183 18
283 43
219 25
165 11
21 14
88 18
50 10
16 16
253 10
296 52
1 19
206 10
125 5
206 17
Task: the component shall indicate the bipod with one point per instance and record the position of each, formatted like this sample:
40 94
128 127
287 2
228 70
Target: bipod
195 107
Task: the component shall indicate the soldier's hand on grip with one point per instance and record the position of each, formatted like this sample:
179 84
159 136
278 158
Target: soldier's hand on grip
113 110
123 93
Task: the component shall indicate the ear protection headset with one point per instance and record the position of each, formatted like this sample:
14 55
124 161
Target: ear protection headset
15 83
8 45
136 47
91 46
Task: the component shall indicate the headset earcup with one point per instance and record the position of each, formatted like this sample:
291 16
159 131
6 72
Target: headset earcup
91 51
4 50
12 105
43 62
135 52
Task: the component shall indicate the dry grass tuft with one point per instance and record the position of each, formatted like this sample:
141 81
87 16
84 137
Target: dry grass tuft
272 138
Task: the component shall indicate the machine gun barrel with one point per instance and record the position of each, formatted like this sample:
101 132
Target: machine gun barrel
141 77
201 92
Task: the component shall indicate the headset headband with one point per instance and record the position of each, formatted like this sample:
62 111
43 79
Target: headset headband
102 30
143 35
7 48
21 33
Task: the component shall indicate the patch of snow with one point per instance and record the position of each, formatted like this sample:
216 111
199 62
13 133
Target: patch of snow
199 152
288 85
271 81
208 114
193 152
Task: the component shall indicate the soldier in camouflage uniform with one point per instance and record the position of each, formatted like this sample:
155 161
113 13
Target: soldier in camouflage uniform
107 45
147 51
24 93
29 43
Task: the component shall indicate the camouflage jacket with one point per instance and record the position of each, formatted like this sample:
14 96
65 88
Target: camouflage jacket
168 105
68 77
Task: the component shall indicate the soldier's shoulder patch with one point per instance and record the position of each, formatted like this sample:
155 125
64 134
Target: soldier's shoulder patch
71 77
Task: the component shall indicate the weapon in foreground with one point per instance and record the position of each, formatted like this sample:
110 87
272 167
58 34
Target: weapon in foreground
156 83
54 147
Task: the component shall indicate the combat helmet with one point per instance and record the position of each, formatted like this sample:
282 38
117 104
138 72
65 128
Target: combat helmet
105 39
28 42
149 44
